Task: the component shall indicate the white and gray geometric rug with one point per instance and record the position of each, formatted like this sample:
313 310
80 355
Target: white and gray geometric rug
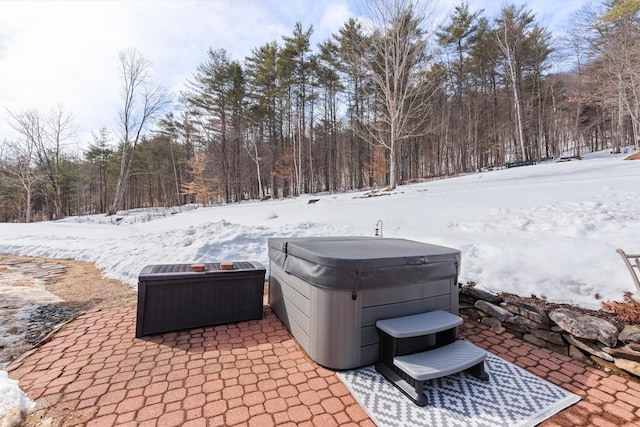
512 397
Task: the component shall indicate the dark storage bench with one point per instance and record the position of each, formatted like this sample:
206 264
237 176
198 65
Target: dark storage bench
173 297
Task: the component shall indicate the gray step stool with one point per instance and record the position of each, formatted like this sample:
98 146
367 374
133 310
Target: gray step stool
407 370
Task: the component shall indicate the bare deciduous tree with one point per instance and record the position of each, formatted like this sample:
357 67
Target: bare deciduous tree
46 134
143 103
19 160
619 45
510 36
399 64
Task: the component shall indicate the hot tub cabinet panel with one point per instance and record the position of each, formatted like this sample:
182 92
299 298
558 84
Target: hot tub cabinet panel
172 297
330 292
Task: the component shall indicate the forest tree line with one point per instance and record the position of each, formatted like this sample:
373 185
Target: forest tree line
386 100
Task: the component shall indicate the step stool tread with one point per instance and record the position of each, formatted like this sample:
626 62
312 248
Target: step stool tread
419 324
443 361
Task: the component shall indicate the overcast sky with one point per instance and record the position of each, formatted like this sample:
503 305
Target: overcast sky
66 52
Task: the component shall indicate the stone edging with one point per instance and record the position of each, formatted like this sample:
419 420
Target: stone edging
563 329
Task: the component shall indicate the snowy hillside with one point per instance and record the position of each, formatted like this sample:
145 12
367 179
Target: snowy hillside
549 230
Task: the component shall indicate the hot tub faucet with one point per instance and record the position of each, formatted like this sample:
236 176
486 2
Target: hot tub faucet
379 228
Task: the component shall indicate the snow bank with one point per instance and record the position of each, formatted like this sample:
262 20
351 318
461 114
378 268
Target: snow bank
549 230
13 402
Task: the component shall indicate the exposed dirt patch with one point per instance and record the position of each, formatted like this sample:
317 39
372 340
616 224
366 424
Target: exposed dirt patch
83 287
37 295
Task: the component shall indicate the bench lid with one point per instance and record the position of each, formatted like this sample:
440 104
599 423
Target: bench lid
178 271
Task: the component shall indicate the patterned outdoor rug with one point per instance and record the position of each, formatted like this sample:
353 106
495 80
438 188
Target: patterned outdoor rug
512 397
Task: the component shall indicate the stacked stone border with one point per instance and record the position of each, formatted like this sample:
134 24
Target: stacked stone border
595 337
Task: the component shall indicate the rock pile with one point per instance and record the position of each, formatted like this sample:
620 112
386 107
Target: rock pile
591 336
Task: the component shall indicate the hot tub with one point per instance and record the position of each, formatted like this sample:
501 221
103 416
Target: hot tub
172 297
330 291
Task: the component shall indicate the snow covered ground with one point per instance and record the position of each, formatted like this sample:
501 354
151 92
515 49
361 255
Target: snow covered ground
549 230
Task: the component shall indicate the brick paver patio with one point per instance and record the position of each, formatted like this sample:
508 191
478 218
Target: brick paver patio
95 372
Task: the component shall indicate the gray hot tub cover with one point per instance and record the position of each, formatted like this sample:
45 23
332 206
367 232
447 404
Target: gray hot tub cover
356 262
